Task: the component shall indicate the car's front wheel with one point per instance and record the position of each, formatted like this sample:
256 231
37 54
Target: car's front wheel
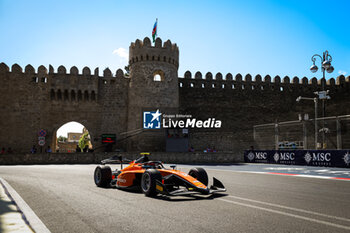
103 176
148 182
200 174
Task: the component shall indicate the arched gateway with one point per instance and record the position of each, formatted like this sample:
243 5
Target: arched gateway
72 137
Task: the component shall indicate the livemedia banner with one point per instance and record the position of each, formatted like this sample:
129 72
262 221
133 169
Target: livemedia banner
324 158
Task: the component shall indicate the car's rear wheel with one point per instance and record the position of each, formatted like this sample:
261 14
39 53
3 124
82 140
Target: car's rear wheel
148 182
103 176
200 174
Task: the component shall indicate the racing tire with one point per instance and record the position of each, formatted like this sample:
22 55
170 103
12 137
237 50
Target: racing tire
103 176
148 182
199 174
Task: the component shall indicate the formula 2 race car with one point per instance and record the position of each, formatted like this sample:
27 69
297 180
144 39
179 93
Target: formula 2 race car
153 178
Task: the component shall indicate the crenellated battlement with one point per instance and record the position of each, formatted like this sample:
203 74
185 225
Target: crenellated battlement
143 51
258 83
44 75
61 70
61 85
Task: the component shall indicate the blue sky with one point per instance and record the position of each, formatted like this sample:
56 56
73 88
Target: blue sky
256 37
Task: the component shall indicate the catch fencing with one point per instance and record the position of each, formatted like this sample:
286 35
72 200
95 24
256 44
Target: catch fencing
330 133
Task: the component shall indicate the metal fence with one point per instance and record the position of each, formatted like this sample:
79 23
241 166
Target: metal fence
331 133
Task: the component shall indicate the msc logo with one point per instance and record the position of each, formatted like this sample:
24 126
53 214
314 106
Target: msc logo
347 158
251 156
151 120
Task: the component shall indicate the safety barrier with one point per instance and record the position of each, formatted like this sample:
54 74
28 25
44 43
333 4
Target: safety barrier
325 158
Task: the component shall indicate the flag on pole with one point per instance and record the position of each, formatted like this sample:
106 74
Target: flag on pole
154 31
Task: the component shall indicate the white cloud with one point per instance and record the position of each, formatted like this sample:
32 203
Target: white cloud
122 53
342 72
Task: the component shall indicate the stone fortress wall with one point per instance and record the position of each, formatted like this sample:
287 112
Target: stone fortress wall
34 100
46 99
242 102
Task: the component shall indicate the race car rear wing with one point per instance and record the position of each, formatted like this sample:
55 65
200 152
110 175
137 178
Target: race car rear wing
115 160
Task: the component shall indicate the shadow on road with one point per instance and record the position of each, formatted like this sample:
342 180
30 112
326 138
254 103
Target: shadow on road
189 197
192 197
7 209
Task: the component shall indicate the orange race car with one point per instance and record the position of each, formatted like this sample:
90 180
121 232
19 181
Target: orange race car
153 178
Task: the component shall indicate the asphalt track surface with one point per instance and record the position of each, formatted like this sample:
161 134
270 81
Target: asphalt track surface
66 199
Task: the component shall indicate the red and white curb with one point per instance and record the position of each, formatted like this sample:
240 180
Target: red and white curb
28 215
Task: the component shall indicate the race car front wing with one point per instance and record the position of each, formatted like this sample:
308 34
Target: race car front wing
188 188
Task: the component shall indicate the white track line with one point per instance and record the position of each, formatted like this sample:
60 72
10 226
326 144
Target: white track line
276 173
34 221
291 208
287 214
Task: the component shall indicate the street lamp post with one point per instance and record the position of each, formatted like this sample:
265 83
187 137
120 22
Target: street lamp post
316 103
326 65
322 95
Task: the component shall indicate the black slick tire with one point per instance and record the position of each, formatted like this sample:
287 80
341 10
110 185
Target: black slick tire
148 182
103 176
200 174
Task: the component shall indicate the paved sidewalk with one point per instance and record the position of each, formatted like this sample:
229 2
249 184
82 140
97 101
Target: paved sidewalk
15 214
10 216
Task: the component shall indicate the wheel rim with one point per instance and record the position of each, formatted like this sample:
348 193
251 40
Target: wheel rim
146 182
98 176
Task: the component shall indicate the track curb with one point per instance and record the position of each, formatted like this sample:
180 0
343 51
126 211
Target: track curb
28 215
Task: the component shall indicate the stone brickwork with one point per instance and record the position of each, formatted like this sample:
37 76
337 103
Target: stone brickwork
31 100
242 103
146 94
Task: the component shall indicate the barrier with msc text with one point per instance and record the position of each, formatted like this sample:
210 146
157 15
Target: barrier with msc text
324 158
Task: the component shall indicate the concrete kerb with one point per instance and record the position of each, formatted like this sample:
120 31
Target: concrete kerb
27 214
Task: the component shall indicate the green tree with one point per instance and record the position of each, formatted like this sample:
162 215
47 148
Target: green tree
61 139
84 140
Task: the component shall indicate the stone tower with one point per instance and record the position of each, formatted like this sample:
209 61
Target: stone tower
153 85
